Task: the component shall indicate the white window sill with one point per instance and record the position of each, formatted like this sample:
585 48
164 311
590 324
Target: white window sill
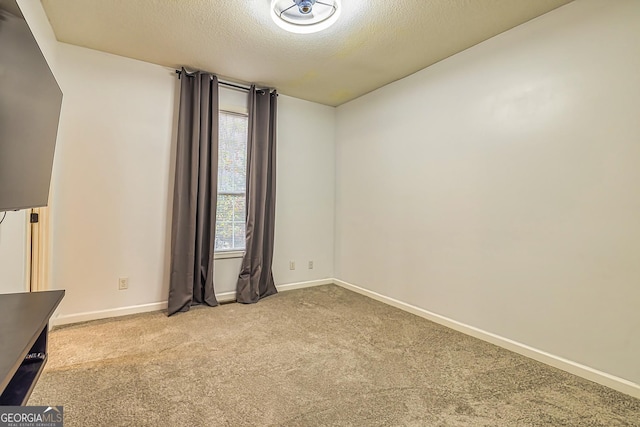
228 254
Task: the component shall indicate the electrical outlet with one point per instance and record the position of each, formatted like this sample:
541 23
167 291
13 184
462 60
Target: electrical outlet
292 265
123 283
310 265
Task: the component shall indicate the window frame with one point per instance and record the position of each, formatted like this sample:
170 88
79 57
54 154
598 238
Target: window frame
232 253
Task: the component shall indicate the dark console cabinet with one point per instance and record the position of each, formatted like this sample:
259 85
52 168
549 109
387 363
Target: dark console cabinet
24 327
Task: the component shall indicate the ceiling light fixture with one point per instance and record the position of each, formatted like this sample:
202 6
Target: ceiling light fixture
305 16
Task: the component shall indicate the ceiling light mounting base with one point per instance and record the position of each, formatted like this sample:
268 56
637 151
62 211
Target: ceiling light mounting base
305 16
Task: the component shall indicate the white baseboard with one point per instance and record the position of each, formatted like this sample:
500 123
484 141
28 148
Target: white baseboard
611 381
608 380
300 285
67 319
226 297
231 296
162 305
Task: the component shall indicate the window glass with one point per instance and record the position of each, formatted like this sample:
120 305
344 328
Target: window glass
232 182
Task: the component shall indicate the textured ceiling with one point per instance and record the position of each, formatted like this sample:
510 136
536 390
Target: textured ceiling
374 43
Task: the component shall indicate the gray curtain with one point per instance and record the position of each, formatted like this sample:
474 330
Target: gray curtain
256 277
195 194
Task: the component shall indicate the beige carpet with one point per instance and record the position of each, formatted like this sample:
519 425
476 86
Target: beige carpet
311 357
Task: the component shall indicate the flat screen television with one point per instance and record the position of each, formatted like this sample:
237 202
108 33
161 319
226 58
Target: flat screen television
30 102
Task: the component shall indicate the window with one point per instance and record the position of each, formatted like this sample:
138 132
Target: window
232 177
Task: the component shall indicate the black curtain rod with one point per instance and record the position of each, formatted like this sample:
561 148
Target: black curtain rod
246 88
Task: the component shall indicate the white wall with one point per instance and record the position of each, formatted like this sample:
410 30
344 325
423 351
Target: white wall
305 201
112 180
13 252
114 174
39 25
499 187
305 193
